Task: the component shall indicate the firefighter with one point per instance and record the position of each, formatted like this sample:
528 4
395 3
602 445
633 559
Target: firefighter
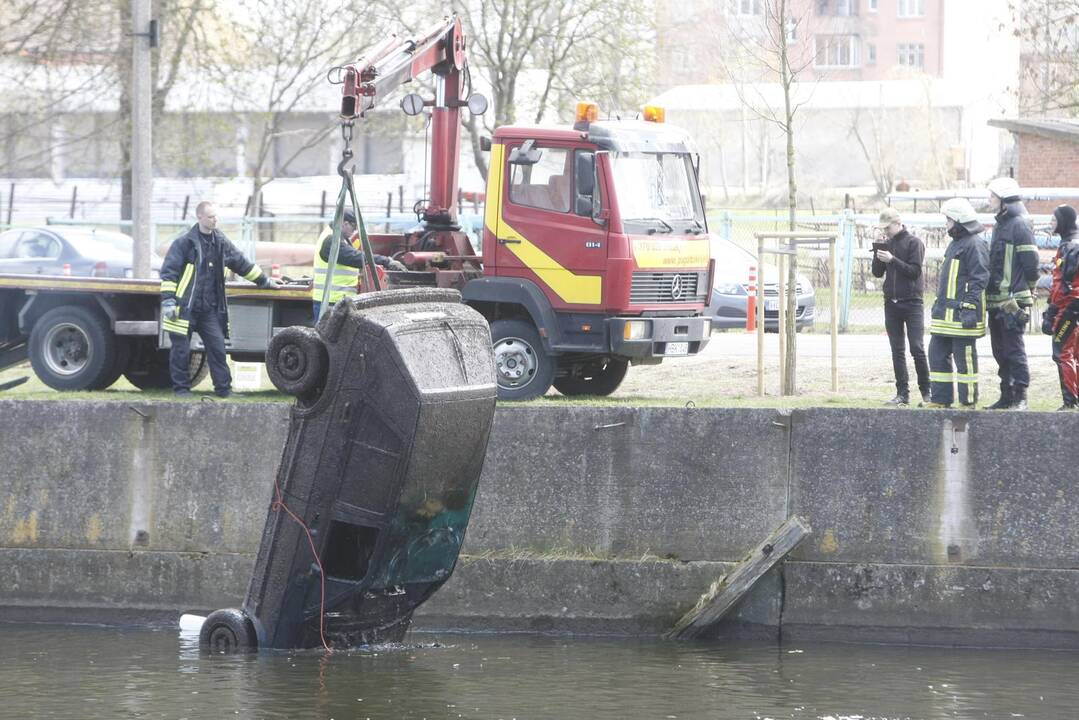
346 273
1013 271
958 314
193 297
1060 318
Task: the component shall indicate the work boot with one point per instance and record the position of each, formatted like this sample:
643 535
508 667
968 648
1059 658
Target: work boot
936 406
899 400
925 396
183 392
1006 398
1066 407
1019 398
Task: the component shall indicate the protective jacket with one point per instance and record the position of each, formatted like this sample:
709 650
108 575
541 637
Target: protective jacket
1065 288
1013 257
346 273
959 310
181 279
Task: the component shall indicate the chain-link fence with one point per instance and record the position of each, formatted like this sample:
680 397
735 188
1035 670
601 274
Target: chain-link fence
860 302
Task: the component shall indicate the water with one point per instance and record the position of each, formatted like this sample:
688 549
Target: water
96 672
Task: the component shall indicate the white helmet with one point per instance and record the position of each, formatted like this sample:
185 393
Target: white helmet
959 210
1004 188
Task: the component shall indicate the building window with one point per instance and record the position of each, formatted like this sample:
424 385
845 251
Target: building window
747 7
872 5
910 8
792 30
912 54
837 7
871 55
835 50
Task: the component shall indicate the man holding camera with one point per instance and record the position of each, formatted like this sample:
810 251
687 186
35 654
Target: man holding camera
899 261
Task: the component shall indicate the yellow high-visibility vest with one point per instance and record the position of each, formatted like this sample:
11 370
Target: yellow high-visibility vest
344 279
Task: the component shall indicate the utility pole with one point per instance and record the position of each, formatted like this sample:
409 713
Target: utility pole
142 181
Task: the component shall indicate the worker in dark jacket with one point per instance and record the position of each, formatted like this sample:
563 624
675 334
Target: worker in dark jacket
904 284
193 297
1013 272
1060 318
346 272
958 314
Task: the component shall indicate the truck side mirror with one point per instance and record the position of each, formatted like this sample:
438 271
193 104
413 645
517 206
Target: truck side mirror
584 171
525 154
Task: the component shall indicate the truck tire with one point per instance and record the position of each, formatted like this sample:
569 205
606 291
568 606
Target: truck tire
72 348
599 379
148 368
296 361
228 631
119 364
523 369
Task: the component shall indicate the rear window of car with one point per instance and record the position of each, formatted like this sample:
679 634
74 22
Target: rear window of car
90 243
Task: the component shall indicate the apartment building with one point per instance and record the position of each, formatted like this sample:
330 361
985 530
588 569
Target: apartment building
828 39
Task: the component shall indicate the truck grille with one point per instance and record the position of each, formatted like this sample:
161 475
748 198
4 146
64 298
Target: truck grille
666 287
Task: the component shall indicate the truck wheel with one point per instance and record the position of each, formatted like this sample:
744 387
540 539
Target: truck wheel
600 379
72 348
296 361
119 364
524 370
228 631
148 369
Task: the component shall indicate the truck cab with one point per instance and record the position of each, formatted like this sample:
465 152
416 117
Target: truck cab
598 233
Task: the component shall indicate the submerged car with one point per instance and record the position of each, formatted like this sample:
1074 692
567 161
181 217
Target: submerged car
76 251
730 290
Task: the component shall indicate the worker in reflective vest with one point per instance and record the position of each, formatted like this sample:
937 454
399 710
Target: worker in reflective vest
346 273
193 298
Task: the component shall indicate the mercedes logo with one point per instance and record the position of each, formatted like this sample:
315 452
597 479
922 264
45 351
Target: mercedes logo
676 288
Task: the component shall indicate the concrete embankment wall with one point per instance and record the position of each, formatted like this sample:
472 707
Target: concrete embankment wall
928 526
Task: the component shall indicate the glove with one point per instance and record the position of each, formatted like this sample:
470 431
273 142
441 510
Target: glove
1010 306
170 310
396 265
969 318
269 283
1048 316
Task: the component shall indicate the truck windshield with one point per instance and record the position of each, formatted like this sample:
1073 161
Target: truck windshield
657 189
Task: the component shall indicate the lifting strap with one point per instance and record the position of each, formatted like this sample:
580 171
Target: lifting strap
348 192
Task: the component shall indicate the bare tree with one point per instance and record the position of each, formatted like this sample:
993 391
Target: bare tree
1049 35
869 130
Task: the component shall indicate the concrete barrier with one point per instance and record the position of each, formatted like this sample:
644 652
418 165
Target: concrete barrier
928 526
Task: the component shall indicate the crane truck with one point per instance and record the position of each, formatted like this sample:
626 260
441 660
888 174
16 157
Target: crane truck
595 249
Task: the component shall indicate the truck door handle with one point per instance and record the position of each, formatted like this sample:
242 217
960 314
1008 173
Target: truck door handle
508 241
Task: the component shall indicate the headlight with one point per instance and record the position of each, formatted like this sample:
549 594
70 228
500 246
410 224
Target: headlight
730 289
636 330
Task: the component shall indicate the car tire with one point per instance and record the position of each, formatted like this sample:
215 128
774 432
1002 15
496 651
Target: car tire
297 361
523 368
600 380
227 632
72 348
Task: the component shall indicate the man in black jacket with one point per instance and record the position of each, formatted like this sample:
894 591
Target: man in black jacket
193 298
904 285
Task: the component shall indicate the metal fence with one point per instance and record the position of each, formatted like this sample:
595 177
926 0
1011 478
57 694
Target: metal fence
861 305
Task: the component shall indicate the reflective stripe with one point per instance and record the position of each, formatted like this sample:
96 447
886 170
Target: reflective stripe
185 279
178 326
253 274
953 278
1026 248
168 286
941 377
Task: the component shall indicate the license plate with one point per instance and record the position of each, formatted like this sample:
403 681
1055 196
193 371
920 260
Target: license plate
771 305
677 348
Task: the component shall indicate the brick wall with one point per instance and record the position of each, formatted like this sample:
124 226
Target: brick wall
1046 162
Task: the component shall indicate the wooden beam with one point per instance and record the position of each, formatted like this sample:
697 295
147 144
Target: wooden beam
725 592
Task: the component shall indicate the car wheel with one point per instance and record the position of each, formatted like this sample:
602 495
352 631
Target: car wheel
599 379
72 348
523 368
296 361
119 364
228 631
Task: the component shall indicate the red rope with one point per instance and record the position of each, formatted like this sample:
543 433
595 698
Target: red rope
279 504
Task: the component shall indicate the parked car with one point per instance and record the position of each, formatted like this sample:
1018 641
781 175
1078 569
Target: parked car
88 251
727 305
